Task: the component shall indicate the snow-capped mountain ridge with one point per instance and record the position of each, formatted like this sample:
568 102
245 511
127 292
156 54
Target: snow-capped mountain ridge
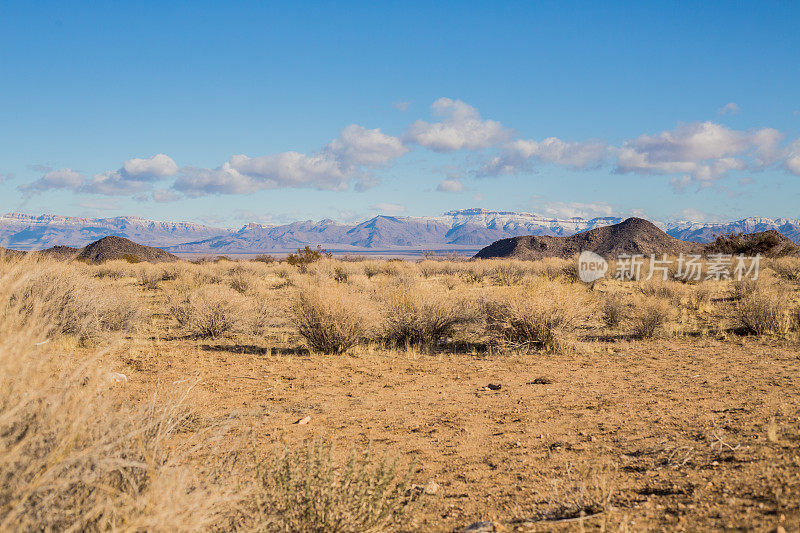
463 229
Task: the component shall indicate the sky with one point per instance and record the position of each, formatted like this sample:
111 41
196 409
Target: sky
225 113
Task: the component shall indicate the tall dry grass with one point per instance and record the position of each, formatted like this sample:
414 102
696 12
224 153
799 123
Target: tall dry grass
764 310
74 454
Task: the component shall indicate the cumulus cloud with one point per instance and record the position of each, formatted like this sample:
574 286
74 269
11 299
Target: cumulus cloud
731 108
517 156
578 209
461 128
335 167
64 178
153 168
450 185
792 161
704 151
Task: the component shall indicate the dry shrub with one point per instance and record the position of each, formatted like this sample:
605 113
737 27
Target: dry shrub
74 454
508 273
795 318
648 316
741 289
787 268
423 316
699 296
149 276
544 317
333 318
210 311
764 311
660 288
584 490
308 490
72 302
240 281
615 309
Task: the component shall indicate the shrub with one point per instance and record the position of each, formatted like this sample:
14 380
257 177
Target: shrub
308 490
422 316
263 258
210 311
648 317
149 277
508 273
543 319
306 256
741 289
340 275
333 319
241 282
763 311
614 309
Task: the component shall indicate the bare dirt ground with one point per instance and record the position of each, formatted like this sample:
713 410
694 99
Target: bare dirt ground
677 434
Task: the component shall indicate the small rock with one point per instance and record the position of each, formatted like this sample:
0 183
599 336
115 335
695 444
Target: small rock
494 386
303 421
479 527
780 529
116 377
541 381
431 488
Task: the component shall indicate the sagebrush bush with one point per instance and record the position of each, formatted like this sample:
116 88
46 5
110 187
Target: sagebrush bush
542 318
508 273
309 490
210 311
149 277
764 311
332 318
422 316
614 309
649 316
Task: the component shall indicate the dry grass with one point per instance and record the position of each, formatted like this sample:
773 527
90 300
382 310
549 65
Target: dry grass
416 315
649 317
333 318
308 490
80 452
74 455
543 317
764 311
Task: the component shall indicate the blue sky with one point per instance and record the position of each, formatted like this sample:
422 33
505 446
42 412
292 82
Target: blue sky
231 112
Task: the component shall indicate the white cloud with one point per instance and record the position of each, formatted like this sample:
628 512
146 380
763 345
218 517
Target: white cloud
731 108
461 128
400 105
450 185
695 215
792 161
704 151
578 209
153 168
358 146
113 183
518 155
165 195
64 178
334 168
389 209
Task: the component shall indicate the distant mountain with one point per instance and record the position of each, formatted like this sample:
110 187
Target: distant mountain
466 230
632 236
26 232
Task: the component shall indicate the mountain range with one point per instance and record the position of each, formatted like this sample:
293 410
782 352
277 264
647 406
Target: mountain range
464 230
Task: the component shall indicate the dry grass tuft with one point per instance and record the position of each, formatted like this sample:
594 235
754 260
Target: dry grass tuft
423 316
615 309
210 311
764 311
543 317
333 318
308 490
649 316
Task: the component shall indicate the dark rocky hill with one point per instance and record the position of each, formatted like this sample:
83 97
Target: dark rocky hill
109 248
631 236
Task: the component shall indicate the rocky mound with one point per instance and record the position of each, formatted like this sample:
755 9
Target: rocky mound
632 236
769 243
109 248
60 253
